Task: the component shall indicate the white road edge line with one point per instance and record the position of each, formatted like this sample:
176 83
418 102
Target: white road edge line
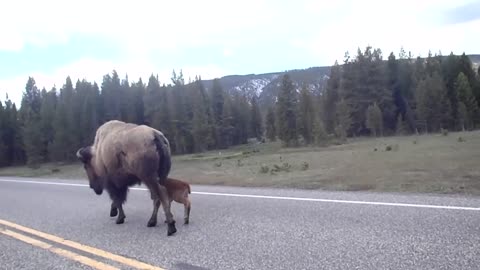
270 197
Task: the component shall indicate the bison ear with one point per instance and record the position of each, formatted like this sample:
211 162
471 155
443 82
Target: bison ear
84 154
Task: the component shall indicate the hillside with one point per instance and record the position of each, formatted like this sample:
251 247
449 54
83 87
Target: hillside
266 85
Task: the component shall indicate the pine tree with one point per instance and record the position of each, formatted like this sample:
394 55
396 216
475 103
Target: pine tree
3 146
433 104
374 120
90 115
13 138
271 131
256 119
331 98
135 104
202 135
463 116
306 115
365 81
111 91
287 113
126 100
450 70
30 115
182 114
217 99
319 133
157 108
66 139
400 126
47 115
465 96
242 118
226 124
344 119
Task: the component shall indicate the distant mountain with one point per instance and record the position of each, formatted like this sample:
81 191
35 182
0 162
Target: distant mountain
266 86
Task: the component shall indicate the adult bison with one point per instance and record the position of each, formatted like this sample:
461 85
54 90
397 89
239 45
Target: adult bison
126 154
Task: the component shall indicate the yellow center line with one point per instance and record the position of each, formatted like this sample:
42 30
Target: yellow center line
65 253
95 251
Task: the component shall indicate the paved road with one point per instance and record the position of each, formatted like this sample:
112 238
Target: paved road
328 230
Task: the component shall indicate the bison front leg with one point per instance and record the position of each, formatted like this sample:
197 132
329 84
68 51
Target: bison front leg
113 210
118 196
121 215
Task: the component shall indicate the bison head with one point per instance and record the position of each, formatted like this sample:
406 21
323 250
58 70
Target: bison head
85 155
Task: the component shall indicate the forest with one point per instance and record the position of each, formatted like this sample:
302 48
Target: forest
366 95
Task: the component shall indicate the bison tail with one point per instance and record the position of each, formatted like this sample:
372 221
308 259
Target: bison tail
189 192
165 162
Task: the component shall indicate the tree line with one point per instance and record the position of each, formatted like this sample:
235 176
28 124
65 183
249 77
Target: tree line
371 96
366 95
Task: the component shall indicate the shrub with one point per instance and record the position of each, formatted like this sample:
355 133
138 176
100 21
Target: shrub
264 168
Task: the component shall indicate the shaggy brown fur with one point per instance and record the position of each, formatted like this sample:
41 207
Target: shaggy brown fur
125 154
177 191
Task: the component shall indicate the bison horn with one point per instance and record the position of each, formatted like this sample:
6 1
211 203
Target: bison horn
84 154
79 155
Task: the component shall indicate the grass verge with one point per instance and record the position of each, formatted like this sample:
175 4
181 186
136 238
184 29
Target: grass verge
426 163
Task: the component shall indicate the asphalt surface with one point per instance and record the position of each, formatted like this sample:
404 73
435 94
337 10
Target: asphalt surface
228 232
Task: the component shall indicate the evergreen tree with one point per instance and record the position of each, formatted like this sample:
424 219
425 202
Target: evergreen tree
331 98
400 127
182 115
157 109
217 99
463 116
47 115
271 131
3 146
65 141
374 120
90 115
287 112
242 118
30 114
111 91
465 96
319 133
135 103
306 115
256 119
202 135
226 124
433 104
12 133
344 119
365 81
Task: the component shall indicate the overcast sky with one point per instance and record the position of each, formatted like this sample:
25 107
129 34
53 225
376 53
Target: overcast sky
88 39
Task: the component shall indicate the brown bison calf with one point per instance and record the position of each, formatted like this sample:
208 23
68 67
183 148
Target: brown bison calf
178 191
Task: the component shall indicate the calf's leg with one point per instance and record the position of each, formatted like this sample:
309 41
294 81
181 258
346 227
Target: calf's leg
187 204
164 198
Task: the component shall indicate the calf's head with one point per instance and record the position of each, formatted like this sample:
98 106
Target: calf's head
85 155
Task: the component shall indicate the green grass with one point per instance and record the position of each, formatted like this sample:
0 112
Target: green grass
425 163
